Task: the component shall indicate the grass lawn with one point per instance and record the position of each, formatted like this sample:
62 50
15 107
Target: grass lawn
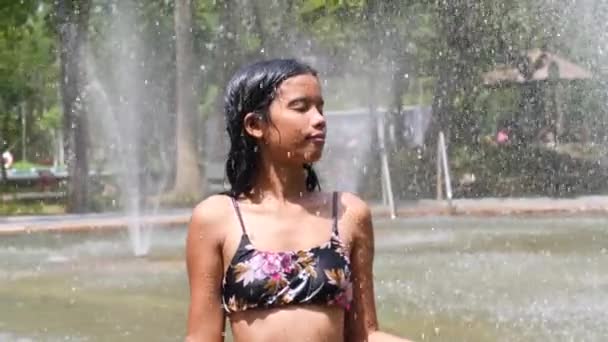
31 208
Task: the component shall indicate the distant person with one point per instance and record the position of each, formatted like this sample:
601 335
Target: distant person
502 136
46 179
7 159
281 259
508 133
504 133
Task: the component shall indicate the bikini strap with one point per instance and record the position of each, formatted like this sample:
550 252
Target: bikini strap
334 212
238 214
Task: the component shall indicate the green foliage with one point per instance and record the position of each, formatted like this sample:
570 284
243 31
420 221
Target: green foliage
15 13
50 119
536 170
28 72
27 165
30 208
499 171
421 52
26 60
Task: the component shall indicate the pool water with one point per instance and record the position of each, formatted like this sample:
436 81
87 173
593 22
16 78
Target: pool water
437 279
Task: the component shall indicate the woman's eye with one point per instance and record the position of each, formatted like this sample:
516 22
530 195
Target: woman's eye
301 107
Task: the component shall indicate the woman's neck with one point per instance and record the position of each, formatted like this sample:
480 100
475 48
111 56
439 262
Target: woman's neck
280 182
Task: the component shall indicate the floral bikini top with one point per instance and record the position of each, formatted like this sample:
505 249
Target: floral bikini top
260 279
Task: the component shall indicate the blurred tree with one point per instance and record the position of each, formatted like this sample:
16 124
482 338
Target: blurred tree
27 74
72 20
393 48
15 14
188 173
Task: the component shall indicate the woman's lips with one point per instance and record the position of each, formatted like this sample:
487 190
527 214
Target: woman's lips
318 138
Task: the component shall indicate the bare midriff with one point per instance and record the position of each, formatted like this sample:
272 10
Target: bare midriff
313 323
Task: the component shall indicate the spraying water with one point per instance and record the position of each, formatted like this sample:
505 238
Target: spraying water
117 102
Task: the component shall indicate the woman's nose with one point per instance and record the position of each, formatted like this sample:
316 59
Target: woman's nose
318 120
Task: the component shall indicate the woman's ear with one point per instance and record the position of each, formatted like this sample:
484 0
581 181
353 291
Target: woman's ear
254 125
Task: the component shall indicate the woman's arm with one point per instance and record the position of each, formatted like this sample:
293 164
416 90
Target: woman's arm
205 269
361 321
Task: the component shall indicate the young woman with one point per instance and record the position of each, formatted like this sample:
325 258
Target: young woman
281 259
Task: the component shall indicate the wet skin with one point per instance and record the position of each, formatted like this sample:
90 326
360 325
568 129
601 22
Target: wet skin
280 215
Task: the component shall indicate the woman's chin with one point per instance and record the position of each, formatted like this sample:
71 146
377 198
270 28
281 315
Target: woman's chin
313 156
303 156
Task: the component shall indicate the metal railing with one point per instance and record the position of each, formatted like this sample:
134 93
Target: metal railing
443 170
387 188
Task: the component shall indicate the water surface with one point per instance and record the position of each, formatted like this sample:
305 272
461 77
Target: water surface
437 279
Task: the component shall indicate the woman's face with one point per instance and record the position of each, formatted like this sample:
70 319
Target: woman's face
296 130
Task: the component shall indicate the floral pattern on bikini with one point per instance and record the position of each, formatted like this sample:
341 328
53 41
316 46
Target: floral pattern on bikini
341 279
275 267
264 279
288 277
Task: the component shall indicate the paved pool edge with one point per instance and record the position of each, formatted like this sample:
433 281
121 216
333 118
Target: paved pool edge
591 205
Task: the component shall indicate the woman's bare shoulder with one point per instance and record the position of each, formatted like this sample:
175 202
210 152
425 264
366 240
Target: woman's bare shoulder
356 212
354 206
209 216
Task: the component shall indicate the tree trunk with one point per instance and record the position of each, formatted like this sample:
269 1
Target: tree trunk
442 108
229 59
445 90
3 133
399 86
72 20
188 181
371 19
3 175
258 29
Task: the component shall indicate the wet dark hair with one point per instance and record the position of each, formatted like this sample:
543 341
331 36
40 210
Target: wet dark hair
251 90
